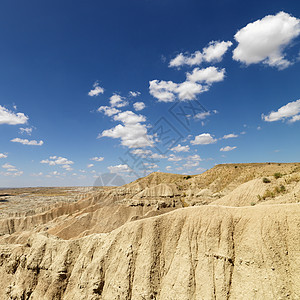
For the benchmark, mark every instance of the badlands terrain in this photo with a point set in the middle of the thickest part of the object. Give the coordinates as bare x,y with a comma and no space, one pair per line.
232,232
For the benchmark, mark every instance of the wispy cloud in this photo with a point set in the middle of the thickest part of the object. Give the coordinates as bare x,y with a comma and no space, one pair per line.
27,142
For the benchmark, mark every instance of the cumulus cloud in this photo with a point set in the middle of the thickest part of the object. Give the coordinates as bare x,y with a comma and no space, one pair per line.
117,101
27,142
139,106
108,111
229,136
90,165
132,133
26,130
56,160
167,91
180,148
193,59
141,152
163,90
195,157
290,112
2,155
8,166
11,118
119,168
214,52
266,39
173,157
203,139
10,170
227,148
158,156
96,90
97,158
207,75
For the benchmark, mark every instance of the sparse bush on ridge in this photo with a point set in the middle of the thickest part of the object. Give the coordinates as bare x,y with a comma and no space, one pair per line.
266,180
277,175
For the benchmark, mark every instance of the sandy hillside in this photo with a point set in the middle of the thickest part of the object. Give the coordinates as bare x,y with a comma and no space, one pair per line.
232,232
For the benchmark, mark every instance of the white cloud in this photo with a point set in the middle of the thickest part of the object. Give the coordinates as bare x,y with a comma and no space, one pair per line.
133,134
168,168
229,136
212,53
203,139
129,117
150,165
227,148
158,156
27,142
173,157
10,170
266,39
97,90
162,90
108,111
26,130
190,164
202,115
167,91
141,152
139,106
195,157
90,165
67,167
56,160
11,118
2,155
117,101
195,58
180,148
207,75
289,111
189,90
97,158
134,94
119,169
215,51
8,166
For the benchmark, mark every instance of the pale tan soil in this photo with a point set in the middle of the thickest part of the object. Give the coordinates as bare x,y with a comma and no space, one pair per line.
240,239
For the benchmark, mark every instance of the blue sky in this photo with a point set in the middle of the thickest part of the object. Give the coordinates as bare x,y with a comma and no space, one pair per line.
132,87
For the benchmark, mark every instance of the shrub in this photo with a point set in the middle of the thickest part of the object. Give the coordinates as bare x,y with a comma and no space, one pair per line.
266,180
268,194
277,175
187,177
253,203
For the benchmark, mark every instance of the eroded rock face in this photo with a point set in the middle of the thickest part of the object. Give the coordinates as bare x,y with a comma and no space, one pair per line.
137,242
192,253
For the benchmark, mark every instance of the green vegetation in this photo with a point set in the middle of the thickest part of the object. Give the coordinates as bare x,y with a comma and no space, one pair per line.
266,180
277,175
